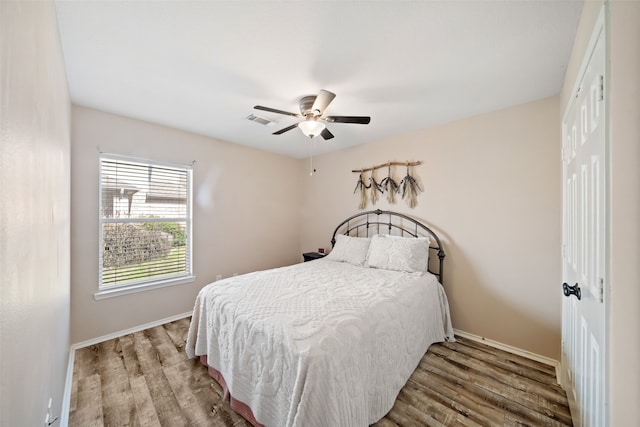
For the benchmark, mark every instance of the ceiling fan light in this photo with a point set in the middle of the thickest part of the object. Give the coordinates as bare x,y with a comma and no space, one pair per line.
311,128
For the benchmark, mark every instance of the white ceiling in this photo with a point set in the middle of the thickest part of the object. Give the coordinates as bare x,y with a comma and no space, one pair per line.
201,66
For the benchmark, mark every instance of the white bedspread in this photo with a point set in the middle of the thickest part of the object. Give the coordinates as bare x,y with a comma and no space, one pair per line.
320,343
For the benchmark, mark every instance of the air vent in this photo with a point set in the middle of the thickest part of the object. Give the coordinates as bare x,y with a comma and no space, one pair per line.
260,120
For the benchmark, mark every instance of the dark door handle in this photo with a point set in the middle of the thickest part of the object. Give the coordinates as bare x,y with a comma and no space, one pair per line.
572,290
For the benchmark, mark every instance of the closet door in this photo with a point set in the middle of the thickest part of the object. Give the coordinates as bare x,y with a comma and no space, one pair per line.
585,231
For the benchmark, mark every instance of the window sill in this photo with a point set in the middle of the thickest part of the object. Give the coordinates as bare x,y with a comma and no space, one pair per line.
110,293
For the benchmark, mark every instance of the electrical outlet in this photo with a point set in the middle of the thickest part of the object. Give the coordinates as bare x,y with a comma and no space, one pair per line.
234,274
218,277
49,419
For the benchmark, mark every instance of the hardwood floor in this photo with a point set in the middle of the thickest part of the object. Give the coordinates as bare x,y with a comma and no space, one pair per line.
145,379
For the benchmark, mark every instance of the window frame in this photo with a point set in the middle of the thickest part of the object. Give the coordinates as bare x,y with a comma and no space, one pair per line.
107,291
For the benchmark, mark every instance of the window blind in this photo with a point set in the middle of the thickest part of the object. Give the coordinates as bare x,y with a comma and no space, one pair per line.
145,222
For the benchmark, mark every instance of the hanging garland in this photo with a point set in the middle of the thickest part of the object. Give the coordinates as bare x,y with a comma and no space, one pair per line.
408,187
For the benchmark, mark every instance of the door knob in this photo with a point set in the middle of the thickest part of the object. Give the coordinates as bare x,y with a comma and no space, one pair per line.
572,290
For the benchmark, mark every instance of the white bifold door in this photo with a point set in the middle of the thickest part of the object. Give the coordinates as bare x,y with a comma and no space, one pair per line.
585,231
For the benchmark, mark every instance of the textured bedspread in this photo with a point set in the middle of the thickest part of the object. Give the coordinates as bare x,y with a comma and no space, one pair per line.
321,343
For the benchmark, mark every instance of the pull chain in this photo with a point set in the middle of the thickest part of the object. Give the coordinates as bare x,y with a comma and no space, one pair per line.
311,169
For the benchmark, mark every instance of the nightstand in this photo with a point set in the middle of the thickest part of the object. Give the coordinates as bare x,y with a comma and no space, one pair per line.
310,256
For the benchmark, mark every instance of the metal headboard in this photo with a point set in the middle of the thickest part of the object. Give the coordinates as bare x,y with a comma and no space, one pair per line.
366,224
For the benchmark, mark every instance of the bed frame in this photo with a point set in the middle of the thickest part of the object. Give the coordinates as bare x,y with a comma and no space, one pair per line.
366,224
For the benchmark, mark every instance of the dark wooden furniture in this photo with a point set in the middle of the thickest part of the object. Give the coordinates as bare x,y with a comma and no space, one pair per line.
310,256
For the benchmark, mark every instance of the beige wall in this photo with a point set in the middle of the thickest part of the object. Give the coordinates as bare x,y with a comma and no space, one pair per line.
245,216
492,191
34,214
625,213
624,150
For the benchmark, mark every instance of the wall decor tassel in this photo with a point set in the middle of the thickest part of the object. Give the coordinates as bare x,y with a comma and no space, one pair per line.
362,188
410,189
375,187
389,186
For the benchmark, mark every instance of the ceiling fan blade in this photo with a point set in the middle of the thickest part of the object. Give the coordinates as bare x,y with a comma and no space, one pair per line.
288,128
348,119
275,110
322,101
326,134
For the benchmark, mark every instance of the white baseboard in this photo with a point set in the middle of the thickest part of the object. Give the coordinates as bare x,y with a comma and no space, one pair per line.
68,382
139,328
66,398
511,349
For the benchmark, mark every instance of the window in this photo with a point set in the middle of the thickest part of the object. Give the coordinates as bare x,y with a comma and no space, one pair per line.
145,225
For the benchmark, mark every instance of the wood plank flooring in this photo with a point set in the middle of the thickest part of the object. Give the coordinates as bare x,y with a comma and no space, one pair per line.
145,379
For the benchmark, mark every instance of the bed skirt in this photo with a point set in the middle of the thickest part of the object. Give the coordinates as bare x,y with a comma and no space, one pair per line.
239,407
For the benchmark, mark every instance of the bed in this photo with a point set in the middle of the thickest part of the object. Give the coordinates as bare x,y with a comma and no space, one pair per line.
330,341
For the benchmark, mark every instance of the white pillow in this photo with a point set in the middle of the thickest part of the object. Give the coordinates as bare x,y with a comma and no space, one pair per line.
350,249
408,254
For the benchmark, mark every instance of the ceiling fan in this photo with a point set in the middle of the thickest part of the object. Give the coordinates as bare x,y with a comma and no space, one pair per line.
311,110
